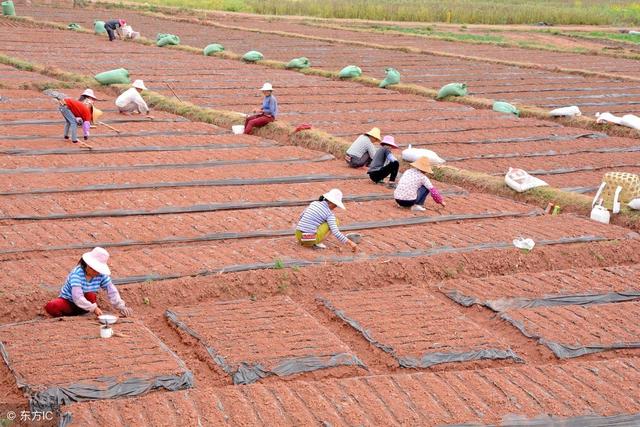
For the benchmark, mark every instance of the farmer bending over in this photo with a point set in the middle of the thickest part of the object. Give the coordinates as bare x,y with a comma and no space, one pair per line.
131,102
78,295
113,27
318,218
263,115
414,186
362,150
77,112
384,164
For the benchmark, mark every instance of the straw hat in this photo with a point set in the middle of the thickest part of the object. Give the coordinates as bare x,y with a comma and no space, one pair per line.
423,165
89,94
267,86
97,259
334,196
389,140
139,84
96,114
374,133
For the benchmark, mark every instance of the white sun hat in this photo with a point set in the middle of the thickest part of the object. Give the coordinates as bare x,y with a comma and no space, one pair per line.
334,196
97,259
266,86
139,84
89,93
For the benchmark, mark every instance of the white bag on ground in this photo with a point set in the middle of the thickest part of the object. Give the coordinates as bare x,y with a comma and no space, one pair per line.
413,154
520,180
128,33
608,118
566,112
634,204
524,244
631,121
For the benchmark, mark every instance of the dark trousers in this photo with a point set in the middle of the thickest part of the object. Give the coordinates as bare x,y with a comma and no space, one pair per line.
110,32
256,121
358,162
423,192
389,170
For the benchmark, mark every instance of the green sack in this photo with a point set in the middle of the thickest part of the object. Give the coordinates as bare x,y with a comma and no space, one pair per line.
452,89
252,56
98,27
212,48
299,63
168,39
8,9
393,77
350,71
73,26
505,107
117,76
161,35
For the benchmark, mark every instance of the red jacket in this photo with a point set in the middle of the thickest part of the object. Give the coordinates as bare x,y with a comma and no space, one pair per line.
79,109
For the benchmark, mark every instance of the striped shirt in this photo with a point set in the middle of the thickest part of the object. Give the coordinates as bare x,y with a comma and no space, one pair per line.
360,146
314,215
78,278
409,183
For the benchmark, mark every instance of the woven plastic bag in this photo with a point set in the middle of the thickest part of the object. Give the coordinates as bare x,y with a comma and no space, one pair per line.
452,89
212,48
572,111
411,154
519,180
299,63
392,78
117,76
252,56
505,107
350,71
98,27
168,39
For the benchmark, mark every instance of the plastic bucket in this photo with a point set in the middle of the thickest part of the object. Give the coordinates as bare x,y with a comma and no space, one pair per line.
237,129
106,332
8,9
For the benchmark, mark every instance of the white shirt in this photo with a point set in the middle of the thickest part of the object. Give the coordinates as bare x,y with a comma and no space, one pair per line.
129,96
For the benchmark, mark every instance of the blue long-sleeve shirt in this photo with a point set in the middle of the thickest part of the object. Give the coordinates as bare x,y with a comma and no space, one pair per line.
270,105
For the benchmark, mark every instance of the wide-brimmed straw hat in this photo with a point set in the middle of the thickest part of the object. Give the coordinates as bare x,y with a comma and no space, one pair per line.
423,164
389,140
97,259
334,196
89,94
374,133
266,86
139,84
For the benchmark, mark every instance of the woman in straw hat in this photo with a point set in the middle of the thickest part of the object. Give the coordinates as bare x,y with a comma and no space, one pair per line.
318,218
264,115
414,186
362,150
77,112
384,164
78,294
131,102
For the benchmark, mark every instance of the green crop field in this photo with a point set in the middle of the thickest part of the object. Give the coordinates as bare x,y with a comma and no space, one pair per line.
612,12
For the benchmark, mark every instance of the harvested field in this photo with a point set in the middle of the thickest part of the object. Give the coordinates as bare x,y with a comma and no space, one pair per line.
199,226
389,319
138,361
488,396
252,340
573,331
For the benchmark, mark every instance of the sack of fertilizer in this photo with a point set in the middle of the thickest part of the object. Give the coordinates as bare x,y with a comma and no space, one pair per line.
607,118
299,63
505,107
392,78
168,39
212,48
412,154
572,111
520,180
452,89
631,121
252,56
350,71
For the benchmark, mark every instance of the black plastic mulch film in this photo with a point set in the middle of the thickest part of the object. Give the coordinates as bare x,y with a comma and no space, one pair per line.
53,397
209,164
566,351
427,360
348,259
546,153
124,134
624,420
280,233
247,373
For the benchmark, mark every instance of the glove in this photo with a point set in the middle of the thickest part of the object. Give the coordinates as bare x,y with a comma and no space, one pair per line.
126,312
78,120
86,138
